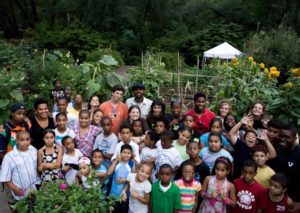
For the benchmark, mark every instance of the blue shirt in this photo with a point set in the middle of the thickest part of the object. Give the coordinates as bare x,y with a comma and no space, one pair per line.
204,139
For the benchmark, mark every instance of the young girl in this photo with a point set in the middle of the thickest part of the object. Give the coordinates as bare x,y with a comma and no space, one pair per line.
84,173
96,118
215,126
139,188
185,135
174,117
49,157
70,159
61,130
189,121
138,133
189,188
217,191
85,133
19,167
214,150
97,159
157,112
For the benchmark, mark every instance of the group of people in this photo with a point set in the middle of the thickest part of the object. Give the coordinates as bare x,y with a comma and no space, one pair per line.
151,160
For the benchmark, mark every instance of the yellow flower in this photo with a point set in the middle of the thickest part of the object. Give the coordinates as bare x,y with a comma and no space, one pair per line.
296,71
262,65
273,69
274,73
225,65
253,63
266,71
250,58
288,85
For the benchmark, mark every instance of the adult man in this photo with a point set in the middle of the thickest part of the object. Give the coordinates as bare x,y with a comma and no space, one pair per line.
115,108
139,99
62,104
202,115
288,161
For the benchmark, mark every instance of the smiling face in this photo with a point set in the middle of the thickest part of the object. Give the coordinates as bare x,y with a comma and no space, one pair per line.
126,135
165,176
166,143
117,96
189,121
157,109
62,105
134,114
224,110
176,109
139,92
84,169
250,139
97,116
188,173
137,127
221,171
216,127
193,150
287,139
200,104
61,121
214,143
95,102
69,145
18,116
260,158
126,155
258,110
230,121
273,134
143,173
84,120
97,159
42,111
184,137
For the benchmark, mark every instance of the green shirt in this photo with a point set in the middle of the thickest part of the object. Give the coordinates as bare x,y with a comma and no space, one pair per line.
165,202
182,150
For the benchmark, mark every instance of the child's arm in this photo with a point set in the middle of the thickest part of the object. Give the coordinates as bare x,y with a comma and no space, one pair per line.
14,188
233,132
262,135
143,199
231,200
204,188
112,167
40,160
290,205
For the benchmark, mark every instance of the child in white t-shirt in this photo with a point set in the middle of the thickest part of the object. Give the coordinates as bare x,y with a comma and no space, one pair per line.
61,130
149,152
70,159
167,154
140,188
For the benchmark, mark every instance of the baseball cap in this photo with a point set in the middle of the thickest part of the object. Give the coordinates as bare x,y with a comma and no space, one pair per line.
84,160
16,107
138,86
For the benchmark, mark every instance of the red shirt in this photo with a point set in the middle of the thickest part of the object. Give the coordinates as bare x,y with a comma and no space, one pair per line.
272,207
202,122
248,196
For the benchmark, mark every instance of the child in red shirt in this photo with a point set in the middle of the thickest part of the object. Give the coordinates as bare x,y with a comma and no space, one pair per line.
248,191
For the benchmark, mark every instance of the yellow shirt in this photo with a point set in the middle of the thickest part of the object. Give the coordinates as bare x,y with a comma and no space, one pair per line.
264,175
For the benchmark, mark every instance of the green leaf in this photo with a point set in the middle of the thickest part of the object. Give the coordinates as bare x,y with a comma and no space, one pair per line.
92,87
4,103
17,95
112,79
85,68
108,61
296,112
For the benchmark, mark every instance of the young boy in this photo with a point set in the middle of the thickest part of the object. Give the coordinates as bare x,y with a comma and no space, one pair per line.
167,154
274,127
165,195
248,191
264,172
120,169
126,134
243,149
288,161
61,129
201,168
106,141
276,199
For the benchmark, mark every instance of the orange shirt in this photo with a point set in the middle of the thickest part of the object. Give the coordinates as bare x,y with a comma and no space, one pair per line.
117,114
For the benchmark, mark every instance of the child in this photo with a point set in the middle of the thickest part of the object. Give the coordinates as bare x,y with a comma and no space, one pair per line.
166,154
70,159
248,191
243,149
174,117
274,127
276,199
160,127
120,168
215,126
138,133
157,112
185,135
264,173
126,134
189,121
214,150
49,157
84,173
62,104
218,192
165,195
189,188
201,168
107,141
149,151
19,167
140,188
97,164
62,130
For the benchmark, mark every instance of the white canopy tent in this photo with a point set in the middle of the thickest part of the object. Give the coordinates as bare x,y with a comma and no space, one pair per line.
222,51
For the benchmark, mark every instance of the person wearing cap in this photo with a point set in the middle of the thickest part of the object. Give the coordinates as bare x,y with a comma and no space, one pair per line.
139,100
15,124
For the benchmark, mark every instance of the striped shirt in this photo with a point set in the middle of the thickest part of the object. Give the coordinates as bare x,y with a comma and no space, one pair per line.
188,193
86,143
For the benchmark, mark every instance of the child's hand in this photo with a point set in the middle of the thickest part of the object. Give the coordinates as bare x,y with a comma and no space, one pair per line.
262,134
223,194
121,180
247,120
134,194
123,195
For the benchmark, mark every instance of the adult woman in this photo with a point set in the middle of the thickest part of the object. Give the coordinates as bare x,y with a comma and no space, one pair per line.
134,113
40,122
224,109
93,104
257,112
85,133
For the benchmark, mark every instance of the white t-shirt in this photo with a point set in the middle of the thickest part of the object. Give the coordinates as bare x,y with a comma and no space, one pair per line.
148,153
107,144
59,136
164,188
135,205
71,159
135,149
168,156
